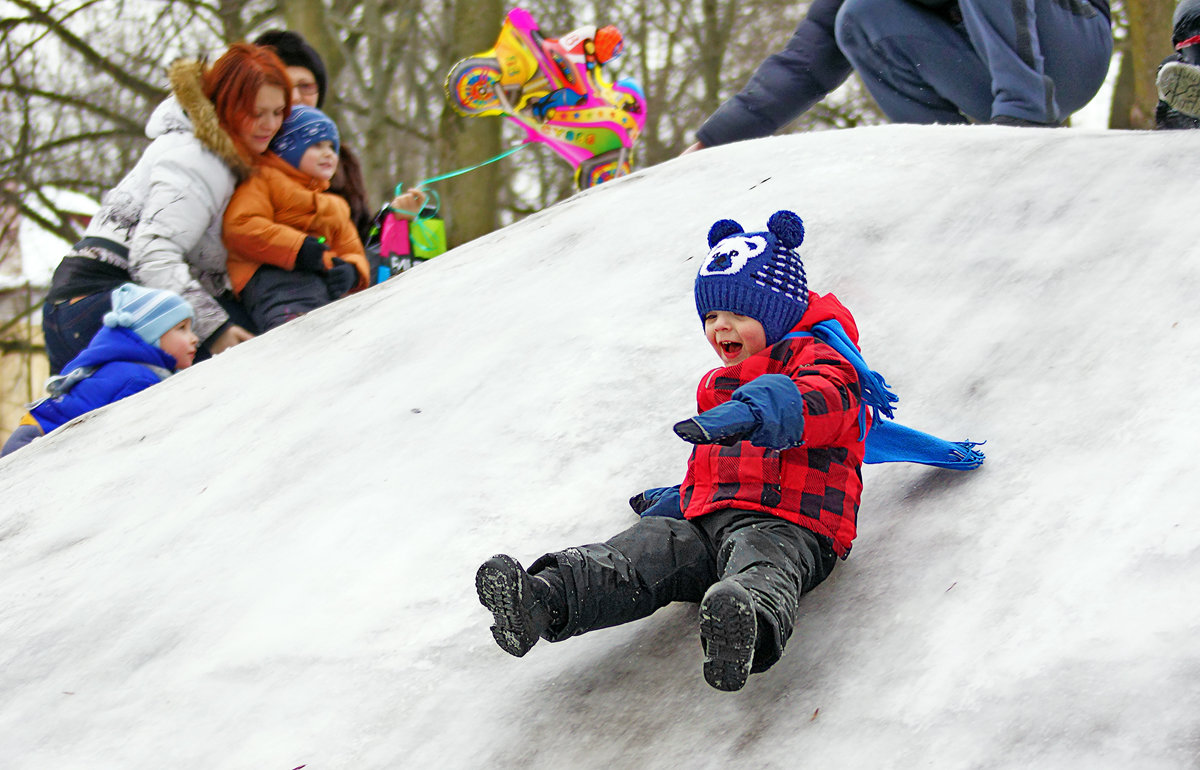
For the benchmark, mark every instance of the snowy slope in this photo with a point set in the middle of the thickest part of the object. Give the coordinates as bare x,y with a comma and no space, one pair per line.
267,561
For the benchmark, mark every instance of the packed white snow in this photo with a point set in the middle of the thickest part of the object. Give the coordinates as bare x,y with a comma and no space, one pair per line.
268,560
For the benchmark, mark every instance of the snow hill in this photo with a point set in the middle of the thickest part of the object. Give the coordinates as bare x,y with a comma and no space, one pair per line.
268,561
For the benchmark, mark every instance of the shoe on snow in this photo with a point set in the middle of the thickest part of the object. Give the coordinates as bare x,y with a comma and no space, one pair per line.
506,589
728,631
1179,86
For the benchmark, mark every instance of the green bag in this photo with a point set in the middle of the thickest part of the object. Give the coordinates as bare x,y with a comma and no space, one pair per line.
428,237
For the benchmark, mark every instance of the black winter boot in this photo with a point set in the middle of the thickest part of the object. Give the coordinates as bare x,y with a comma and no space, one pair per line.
1179,87
728,631
518,608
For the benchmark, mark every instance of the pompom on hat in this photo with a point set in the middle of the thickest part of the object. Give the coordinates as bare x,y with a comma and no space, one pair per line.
149,313
759,275
302,128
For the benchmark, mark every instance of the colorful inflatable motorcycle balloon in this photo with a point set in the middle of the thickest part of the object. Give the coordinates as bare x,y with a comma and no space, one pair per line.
556,92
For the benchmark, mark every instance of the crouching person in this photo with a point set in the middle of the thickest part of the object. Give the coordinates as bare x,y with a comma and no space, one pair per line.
146,337
770,498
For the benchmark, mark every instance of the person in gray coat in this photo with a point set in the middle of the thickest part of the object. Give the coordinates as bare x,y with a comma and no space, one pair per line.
1013,62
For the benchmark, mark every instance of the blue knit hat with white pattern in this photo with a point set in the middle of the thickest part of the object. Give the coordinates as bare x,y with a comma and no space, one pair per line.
149,313
759,275
303,127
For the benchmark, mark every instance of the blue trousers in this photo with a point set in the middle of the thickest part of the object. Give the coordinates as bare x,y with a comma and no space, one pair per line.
1037,60
21,437
69,326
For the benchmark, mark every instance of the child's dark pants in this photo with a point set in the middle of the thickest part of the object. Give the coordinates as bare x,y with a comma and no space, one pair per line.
661,560
274,296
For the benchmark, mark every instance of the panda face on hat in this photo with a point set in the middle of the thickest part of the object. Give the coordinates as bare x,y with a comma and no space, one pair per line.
755,274
732,254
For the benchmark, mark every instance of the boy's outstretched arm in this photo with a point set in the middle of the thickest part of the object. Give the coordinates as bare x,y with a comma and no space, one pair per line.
768,411
778,412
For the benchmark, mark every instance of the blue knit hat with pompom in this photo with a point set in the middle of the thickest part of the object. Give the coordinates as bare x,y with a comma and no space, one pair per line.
148,313
759,275
303,127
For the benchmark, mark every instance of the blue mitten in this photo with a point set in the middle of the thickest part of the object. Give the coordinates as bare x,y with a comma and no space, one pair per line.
768,411
726,423
660,501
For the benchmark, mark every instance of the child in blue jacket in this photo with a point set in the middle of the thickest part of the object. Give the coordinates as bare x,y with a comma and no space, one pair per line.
146,337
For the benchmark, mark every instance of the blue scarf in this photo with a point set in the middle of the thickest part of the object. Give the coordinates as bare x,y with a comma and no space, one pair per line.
887,441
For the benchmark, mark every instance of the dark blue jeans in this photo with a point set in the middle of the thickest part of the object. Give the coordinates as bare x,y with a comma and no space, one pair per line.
69,326
1038,60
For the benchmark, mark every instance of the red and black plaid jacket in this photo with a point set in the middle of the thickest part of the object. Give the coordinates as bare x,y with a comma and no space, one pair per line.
817,485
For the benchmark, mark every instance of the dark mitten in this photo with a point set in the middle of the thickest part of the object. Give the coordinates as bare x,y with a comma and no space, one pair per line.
726,423
660,501
311,256
341,278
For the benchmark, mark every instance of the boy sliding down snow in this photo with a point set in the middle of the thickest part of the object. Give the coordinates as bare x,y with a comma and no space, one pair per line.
772,488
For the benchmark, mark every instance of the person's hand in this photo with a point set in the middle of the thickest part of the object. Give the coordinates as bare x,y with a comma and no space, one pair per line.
233,335
311,256
693,148
726,423
409,204
341,278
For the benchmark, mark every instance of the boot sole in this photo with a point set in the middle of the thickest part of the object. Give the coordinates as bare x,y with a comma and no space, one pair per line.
729,631
1179,86
501,590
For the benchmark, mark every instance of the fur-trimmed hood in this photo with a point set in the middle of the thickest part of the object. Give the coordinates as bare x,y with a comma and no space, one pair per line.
188,110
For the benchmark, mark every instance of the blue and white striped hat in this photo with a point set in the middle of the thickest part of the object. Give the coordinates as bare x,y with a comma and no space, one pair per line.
149,313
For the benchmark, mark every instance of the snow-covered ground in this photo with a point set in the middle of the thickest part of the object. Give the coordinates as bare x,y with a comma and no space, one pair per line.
268,561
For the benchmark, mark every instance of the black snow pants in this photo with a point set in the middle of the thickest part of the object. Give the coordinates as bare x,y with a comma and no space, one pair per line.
661,560
273,296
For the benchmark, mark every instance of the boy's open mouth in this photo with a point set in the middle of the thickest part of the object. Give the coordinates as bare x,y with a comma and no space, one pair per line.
731,348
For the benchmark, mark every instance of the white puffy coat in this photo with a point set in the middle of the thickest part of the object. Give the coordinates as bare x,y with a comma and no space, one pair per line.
167,210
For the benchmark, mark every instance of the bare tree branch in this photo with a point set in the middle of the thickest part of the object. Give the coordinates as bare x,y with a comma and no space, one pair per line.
78,102
89,54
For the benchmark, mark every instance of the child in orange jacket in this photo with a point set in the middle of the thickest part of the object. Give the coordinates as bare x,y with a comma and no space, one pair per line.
293,246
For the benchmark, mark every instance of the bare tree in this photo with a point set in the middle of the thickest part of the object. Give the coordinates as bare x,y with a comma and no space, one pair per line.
1143,37
75,94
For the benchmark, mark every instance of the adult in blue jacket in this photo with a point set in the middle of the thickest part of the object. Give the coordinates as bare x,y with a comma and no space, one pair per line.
1014,62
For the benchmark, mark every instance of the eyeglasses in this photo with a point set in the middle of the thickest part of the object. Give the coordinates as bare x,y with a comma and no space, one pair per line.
308,89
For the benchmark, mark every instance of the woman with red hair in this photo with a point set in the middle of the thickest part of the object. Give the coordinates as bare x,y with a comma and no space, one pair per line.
161,225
